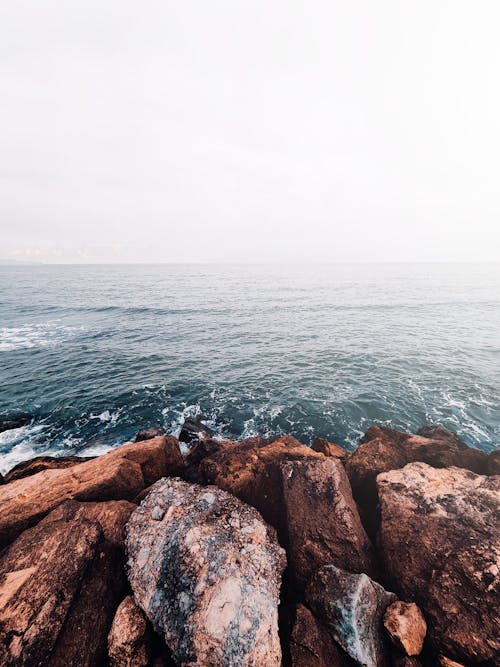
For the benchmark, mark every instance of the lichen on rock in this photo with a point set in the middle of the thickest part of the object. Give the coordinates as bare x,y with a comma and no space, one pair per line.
206,570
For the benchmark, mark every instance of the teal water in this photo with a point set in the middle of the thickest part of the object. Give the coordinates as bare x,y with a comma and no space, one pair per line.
97,352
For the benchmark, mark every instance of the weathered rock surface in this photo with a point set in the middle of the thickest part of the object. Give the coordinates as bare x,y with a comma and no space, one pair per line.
383,449
440,540
197,453
120,474
406,627
311,644
446,662
130,638
322,519
50,580
328,448
206,570
251,470
149,434
352,607
39,463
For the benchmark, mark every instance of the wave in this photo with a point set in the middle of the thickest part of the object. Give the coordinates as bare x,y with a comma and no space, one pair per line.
35,335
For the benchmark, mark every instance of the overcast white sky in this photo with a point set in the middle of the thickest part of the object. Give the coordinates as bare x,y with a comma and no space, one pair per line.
250,130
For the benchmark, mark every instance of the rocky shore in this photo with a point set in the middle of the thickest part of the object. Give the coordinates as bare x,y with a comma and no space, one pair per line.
256,553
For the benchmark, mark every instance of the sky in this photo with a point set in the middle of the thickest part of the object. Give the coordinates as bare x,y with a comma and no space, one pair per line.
240,131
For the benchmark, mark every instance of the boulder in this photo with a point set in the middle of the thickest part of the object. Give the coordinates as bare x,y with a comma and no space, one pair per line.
197,453
311,644
438,432
130,638
149,434
251,470
440,541
206,570
323,523
328,448
50,580
351,607
120,474
406,627
383,449
194,429
39,463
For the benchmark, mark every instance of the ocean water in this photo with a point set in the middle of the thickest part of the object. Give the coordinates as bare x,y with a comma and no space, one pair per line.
97,352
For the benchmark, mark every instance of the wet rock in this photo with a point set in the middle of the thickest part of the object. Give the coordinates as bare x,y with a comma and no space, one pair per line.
50,580
197,453
206,570
149,433
130,639
383,449
194,429
251,470
39,463
120,474
15,422
311,644
440,541
328,448
405,626
352,607
322,519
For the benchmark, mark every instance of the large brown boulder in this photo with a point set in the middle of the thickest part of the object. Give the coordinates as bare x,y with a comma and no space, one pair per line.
251,470
440,541
199,451
39,463
323,523
352,607
130,638
328,448
60,583
120,474
206,570
311,645
383,449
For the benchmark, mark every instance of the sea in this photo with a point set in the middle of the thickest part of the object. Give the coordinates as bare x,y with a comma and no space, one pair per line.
96,352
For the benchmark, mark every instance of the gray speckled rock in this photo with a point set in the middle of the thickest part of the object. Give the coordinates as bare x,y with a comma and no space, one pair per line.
351,607
206,570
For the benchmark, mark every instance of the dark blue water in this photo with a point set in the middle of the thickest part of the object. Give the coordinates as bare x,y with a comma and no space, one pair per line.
97,352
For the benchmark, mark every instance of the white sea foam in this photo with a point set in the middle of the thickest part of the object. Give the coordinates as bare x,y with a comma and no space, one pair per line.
96,450
21,444
107,416
35,335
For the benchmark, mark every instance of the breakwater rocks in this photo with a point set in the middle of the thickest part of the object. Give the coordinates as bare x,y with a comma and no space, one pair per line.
256,553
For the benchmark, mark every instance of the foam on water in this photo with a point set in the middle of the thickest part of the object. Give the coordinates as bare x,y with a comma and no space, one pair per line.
97,353
34,335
